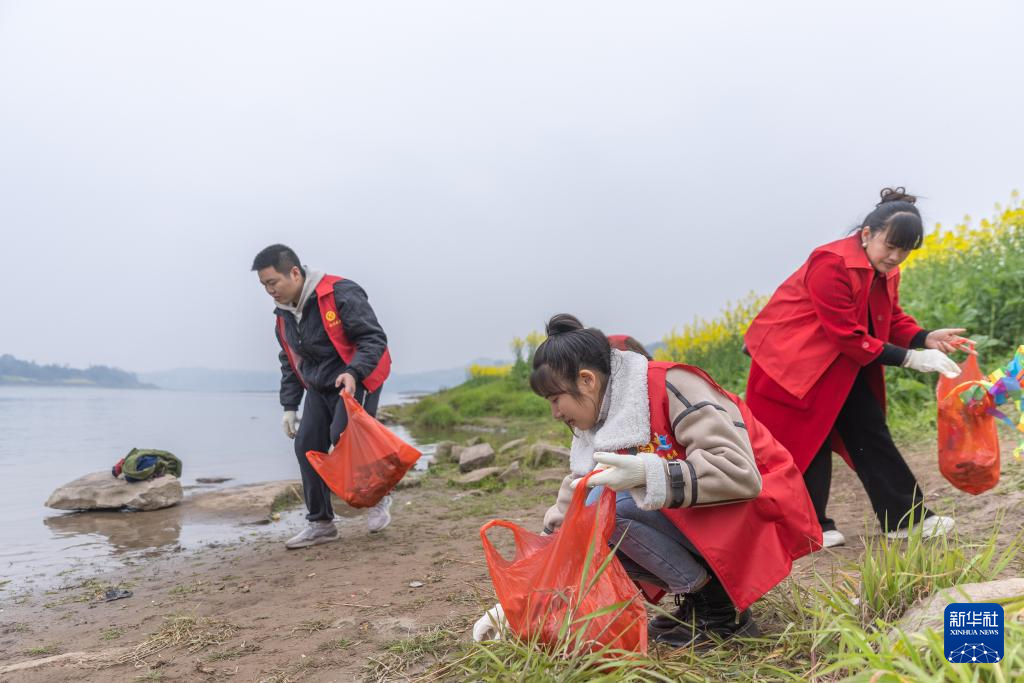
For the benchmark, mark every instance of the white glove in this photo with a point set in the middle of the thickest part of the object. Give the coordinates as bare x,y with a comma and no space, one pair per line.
931,360
619,472
290,422
490,625
555,515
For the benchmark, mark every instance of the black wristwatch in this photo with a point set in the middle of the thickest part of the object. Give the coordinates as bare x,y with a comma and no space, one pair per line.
677,485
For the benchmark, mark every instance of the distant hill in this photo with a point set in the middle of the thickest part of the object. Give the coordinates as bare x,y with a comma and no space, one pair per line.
27,373
208,379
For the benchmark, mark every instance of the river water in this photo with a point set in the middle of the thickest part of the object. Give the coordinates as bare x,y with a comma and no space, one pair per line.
51,435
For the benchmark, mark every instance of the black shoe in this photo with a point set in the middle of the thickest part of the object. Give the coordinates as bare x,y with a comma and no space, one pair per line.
682,615
714,619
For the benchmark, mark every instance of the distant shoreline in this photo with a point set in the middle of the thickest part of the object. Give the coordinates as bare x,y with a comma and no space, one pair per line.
71,384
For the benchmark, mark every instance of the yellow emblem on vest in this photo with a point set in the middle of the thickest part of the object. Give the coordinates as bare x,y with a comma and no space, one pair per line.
659,444
331,316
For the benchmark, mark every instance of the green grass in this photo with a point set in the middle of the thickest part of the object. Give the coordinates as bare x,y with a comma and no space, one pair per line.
45,650
893,575
286,501
476,401
837,628
419,651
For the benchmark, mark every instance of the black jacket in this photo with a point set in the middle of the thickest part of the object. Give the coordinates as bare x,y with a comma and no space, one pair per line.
321,363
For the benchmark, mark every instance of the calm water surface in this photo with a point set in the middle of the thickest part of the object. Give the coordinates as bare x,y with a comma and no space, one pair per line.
49,436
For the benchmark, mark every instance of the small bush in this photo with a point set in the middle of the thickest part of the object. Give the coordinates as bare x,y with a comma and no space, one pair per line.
435,414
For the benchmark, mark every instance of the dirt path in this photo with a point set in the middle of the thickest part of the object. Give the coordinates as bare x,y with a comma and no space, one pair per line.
345,611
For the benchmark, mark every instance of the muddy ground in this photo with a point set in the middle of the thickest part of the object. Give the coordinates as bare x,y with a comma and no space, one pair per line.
368,607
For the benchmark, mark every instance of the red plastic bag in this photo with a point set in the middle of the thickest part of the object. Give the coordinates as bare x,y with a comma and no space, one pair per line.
968,440
569,589
368,460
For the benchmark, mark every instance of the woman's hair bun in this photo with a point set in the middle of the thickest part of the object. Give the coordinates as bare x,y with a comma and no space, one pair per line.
896,194
562,323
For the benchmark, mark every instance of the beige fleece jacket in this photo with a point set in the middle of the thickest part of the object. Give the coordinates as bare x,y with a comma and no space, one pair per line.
719,467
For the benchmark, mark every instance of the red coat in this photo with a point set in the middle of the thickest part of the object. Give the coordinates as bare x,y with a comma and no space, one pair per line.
811,340
750,545
336,333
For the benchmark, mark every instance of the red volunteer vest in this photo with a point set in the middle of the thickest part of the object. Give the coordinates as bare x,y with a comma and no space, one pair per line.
336,333
750,545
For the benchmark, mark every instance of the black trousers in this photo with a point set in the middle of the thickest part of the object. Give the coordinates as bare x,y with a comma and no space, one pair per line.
889,483
324,418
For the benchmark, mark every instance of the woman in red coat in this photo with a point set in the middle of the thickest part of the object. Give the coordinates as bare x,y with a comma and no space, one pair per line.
817,378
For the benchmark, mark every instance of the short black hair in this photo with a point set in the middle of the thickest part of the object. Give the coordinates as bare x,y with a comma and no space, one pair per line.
280,258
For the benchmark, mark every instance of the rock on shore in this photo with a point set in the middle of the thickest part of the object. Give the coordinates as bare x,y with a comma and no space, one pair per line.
100,491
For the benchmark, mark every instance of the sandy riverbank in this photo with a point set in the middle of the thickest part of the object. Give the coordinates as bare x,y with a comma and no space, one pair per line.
253,611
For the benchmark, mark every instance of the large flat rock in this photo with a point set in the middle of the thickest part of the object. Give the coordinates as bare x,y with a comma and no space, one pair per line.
479,475
250,501
247,504
100,491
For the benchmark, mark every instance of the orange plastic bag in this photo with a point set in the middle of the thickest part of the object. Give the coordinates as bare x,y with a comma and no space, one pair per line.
368,460
968,440
568,589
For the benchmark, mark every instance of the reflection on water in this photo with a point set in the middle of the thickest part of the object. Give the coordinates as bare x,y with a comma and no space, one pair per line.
123,530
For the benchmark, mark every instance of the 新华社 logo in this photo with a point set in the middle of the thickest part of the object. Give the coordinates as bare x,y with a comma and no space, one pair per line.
974,632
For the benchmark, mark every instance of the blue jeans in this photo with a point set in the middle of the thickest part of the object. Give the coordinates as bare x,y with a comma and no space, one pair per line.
651,548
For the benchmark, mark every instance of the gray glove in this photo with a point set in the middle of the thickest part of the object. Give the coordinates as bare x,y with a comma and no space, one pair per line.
290,422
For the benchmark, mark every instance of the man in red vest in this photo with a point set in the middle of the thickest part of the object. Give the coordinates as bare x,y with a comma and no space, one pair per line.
330,342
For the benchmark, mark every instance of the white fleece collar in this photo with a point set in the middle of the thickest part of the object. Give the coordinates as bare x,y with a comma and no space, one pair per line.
313,278
628,424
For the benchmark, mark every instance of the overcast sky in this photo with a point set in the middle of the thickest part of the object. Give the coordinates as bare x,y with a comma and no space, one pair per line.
476,166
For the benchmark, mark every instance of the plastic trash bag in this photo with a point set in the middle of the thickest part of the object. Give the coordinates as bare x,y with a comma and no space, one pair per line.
968,440
368,460
568,589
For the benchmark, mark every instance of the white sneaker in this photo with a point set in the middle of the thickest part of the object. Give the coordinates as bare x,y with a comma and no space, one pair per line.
931,527
314,534
832,538
379,516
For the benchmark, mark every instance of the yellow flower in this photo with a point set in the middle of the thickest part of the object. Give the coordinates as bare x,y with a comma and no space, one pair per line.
489,371
703,336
